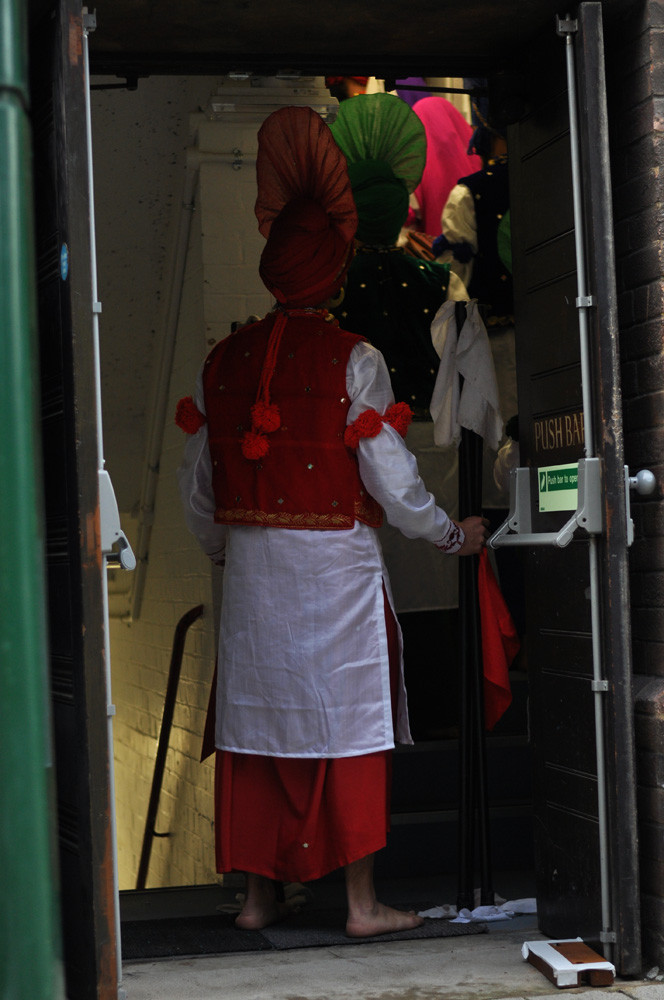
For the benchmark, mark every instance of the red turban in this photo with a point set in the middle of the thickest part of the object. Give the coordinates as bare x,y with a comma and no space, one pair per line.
305,258
305,208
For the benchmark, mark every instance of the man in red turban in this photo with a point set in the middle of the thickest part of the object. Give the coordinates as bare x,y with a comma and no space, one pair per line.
295,455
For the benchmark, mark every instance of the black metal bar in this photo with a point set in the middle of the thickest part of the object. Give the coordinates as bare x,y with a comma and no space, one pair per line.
466,825
467,716
177,652
473,785
473,91
487,896
480,787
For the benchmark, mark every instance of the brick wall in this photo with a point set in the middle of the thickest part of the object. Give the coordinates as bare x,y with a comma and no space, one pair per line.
232,244
221,286
635,71
178,578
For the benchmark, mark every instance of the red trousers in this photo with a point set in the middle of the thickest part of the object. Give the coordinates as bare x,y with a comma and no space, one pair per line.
296,819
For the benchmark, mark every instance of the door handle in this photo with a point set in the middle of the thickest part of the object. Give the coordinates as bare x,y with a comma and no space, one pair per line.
111,532
644,483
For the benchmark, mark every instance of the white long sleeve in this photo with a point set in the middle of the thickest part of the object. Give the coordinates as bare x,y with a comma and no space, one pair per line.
195,483
387,468
459,224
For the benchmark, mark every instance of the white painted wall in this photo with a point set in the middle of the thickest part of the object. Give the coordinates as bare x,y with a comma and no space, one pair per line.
178,578
221,286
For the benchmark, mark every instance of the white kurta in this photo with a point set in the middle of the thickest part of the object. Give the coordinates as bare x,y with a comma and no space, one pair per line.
303,658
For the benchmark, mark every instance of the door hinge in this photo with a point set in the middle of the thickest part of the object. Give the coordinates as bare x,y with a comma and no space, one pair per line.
585,301
566,25
89,19
599,685
608,937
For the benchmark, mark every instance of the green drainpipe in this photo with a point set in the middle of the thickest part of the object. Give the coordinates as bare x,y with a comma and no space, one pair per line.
30,950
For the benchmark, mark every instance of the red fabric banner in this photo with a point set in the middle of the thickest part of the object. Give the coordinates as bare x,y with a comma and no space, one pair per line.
500,643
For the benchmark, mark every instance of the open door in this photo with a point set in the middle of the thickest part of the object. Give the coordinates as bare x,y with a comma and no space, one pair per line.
578,658
73,550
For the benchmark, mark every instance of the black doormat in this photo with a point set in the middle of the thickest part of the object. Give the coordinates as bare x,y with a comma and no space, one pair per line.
218,935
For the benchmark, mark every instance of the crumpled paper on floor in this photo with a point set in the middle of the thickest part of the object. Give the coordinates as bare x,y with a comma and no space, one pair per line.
501,910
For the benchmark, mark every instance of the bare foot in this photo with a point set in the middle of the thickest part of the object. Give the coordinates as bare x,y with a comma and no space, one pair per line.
255,916
261,906
381,919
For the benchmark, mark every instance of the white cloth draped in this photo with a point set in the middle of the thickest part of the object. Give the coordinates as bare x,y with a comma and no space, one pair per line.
476,406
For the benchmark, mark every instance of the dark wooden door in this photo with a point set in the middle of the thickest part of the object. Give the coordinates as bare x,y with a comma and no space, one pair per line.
71,501
551,431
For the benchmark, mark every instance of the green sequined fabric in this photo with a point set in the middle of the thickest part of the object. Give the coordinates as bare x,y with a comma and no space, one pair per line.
391,299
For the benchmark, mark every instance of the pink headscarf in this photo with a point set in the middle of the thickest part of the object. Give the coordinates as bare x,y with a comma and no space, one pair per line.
448,135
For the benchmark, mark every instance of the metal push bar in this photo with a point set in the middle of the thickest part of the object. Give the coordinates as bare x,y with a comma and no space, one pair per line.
517,527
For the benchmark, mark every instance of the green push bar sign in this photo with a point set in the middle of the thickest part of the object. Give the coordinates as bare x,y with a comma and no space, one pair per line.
558,487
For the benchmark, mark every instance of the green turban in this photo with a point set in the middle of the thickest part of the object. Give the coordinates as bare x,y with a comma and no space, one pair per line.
381,200
385,145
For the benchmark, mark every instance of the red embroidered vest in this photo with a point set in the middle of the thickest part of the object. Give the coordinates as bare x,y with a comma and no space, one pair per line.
309,477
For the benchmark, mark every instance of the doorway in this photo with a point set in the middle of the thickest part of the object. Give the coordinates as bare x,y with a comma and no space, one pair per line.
182,582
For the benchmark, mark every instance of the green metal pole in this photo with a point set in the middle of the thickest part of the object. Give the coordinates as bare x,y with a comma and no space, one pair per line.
30,952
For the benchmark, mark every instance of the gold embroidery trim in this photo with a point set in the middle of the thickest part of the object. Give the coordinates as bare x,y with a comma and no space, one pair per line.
371,515
283,519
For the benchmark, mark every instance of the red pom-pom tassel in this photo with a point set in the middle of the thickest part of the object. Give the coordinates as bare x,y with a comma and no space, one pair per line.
368,424
266,416
188,417
399,415
255,445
